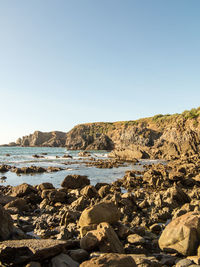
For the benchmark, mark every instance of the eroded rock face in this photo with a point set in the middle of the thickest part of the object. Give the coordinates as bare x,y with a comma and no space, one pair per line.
102,212
52,139
182,234
111,260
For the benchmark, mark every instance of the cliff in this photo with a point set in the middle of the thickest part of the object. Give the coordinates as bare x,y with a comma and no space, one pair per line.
161,136
50,139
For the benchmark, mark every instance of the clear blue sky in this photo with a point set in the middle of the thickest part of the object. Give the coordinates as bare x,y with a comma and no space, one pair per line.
67,62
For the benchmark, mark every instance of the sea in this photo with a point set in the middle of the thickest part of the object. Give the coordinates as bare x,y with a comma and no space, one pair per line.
23,157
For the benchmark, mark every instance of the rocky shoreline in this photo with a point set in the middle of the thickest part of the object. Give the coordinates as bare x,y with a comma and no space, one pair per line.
146,218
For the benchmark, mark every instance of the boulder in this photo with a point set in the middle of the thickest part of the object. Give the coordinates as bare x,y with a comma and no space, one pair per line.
20,204
104,238
20,251
111,260
75,181
182,234
63,260
6,224
22,190
101,212
89,191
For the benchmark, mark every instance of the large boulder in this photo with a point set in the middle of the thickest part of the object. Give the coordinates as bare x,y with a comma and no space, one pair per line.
104,238
101,212
6,224
182,234
111,260
75,181
17,252
22,190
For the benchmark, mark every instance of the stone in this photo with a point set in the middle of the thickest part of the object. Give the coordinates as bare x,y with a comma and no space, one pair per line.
89,191
33,264
78,255
89,241
195,259
184,263
75,181
22,190
20,251
182,234
104,238
135,239
111,260
44,186
6,224
63,260
18,203
102,212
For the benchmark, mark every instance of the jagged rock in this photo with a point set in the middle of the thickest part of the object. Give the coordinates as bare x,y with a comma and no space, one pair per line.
89,191
104,238
22,190
75,181
102,212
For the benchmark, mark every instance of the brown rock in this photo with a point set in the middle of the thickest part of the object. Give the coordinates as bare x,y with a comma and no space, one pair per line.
75,181
182,234
6,224
111,260
102,212
22,190
20,251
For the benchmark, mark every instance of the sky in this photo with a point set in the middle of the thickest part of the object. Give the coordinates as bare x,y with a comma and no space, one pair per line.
65,62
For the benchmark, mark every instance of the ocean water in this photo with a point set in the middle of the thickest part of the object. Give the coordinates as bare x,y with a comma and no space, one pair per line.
23,157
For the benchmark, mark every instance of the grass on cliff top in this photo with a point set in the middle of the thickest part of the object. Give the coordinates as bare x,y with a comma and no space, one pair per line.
159,119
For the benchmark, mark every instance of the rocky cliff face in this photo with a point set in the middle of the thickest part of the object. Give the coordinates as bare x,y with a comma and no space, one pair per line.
157,137
51,139
160,136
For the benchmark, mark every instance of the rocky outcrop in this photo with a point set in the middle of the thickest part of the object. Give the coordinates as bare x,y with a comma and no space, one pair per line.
49,139
161,136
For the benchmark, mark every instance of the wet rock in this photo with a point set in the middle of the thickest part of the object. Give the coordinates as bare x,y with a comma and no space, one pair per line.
111,260
75,181
4,168
102,212
182,234
84,154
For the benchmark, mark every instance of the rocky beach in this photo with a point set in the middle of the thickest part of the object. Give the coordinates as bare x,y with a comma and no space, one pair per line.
149,216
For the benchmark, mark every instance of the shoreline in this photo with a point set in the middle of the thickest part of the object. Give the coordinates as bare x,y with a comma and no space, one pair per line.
88,221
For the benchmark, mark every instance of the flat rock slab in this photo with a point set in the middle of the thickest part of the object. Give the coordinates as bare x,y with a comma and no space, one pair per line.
19,251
